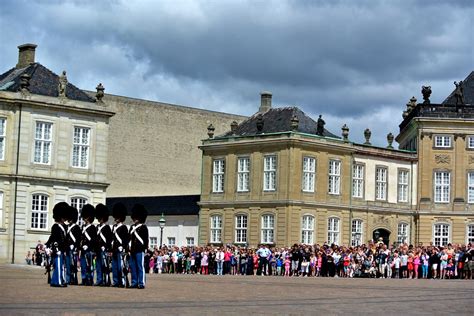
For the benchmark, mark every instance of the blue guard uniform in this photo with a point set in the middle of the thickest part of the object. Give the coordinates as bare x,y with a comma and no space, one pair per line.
88,245
104,246
73,240
138,246
120,240
57,244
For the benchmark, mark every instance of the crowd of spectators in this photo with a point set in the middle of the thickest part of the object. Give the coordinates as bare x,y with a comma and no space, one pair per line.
375,260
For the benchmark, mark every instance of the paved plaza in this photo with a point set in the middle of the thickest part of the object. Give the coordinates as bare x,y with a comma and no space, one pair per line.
24,292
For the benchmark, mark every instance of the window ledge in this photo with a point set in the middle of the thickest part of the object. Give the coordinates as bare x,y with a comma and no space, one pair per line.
38,232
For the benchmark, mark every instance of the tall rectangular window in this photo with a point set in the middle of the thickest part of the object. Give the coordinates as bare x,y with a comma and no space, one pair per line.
39,211
153,242
43,140
441,235
216,229
243,174
218,175
470,187
442,186
402,235
241,229
470,142
334,176
333,230
470,234
269,173
403,185
307,229
189,241
268,225
381,183
309,172
80,147
78,203
3,131
358,181
442,141
171,241
356,233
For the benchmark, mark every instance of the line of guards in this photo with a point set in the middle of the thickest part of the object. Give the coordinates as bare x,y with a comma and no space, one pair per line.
117,249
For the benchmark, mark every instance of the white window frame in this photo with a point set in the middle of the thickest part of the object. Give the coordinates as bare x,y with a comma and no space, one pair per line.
189,243
241,226
81,147
357,227
153,242
43,144
442,141
307,229
470,142
470,187
243,174
334,230
218,175
215,236
470,233
171,244
268,229
381,179
309,173
78,202
441,236
334,174
403,233
442,186
39,211
3,137
403,184
358,174
269,172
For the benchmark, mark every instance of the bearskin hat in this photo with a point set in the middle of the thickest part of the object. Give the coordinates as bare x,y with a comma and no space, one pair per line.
119,212
102,212
60,210
139,213
72,214
88,212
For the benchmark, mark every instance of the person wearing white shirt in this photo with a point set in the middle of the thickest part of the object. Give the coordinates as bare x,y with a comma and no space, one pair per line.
219,261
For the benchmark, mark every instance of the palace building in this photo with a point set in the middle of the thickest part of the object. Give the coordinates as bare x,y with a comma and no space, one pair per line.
280,178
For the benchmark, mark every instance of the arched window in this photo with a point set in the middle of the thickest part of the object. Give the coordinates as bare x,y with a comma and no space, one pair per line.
403,233
216,229
268,224
356,232
333,230
441,234
39,211
240,229
78,203
470,234
307,229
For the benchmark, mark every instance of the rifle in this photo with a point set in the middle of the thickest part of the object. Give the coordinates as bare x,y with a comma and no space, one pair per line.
125,267
73,255
47,266
106,268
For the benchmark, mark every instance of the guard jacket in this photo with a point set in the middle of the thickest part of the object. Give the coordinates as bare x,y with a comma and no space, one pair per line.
104,237
138,238
57,239
89,237
73,236
120,237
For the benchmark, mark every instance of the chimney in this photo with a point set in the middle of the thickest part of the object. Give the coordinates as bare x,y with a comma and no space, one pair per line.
26,55
266,101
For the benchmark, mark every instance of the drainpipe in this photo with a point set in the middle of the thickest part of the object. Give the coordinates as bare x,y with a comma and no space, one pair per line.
16,185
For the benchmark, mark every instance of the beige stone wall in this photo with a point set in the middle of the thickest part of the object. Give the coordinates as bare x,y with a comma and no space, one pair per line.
153,147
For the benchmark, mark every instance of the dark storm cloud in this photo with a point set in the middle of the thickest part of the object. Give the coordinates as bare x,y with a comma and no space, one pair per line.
349,60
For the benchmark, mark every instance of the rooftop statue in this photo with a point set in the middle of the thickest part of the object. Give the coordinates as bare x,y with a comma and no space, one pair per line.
459,93
320,127
62,85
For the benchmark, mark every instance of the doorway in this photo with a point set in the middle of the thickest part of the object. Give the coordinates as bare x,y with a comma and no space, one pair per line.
382,233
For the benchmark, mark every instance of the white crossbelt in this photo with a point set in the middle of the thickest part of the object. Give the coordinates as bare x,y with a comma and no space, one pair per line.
100,233
116,234
134,231
69,232
86,233
64,231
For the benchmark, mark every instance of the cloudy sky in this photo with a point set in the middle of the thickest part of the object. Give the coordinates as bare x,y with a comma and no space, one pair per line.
354,62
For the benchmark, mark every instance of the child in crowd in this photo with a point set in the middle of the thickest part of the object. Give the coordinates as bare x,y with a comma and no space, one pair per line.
287,266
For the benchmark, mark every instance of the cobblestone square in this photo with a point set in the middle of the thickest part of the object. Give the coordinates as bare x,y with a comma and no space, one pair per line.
24,292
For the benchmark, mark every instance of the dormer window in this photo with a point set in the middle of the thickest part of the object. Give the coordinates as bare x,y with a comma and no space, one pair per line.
442,141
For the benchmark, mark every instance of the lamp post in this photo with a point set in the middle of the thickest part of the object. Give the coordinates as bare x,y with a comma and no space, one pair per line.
162,223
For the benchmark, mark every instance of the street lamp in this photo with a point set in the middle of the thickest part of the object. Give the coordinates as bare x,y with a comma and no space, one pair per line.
162,223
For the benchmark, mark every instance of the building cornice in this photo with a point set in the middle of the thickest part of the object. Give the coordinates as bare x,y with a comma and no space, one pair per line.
55,180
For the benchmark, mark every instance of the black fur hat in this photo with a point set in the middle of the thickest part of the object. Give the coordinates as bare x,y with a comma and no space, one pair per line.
102,212
72,214
119,211
139,213
60,211
88,212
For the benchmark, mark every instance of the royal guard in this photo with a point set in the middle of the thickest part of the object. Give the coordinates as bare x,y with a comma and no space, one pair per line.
57,244
88,244
73,238
120,240
138,246
104,246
